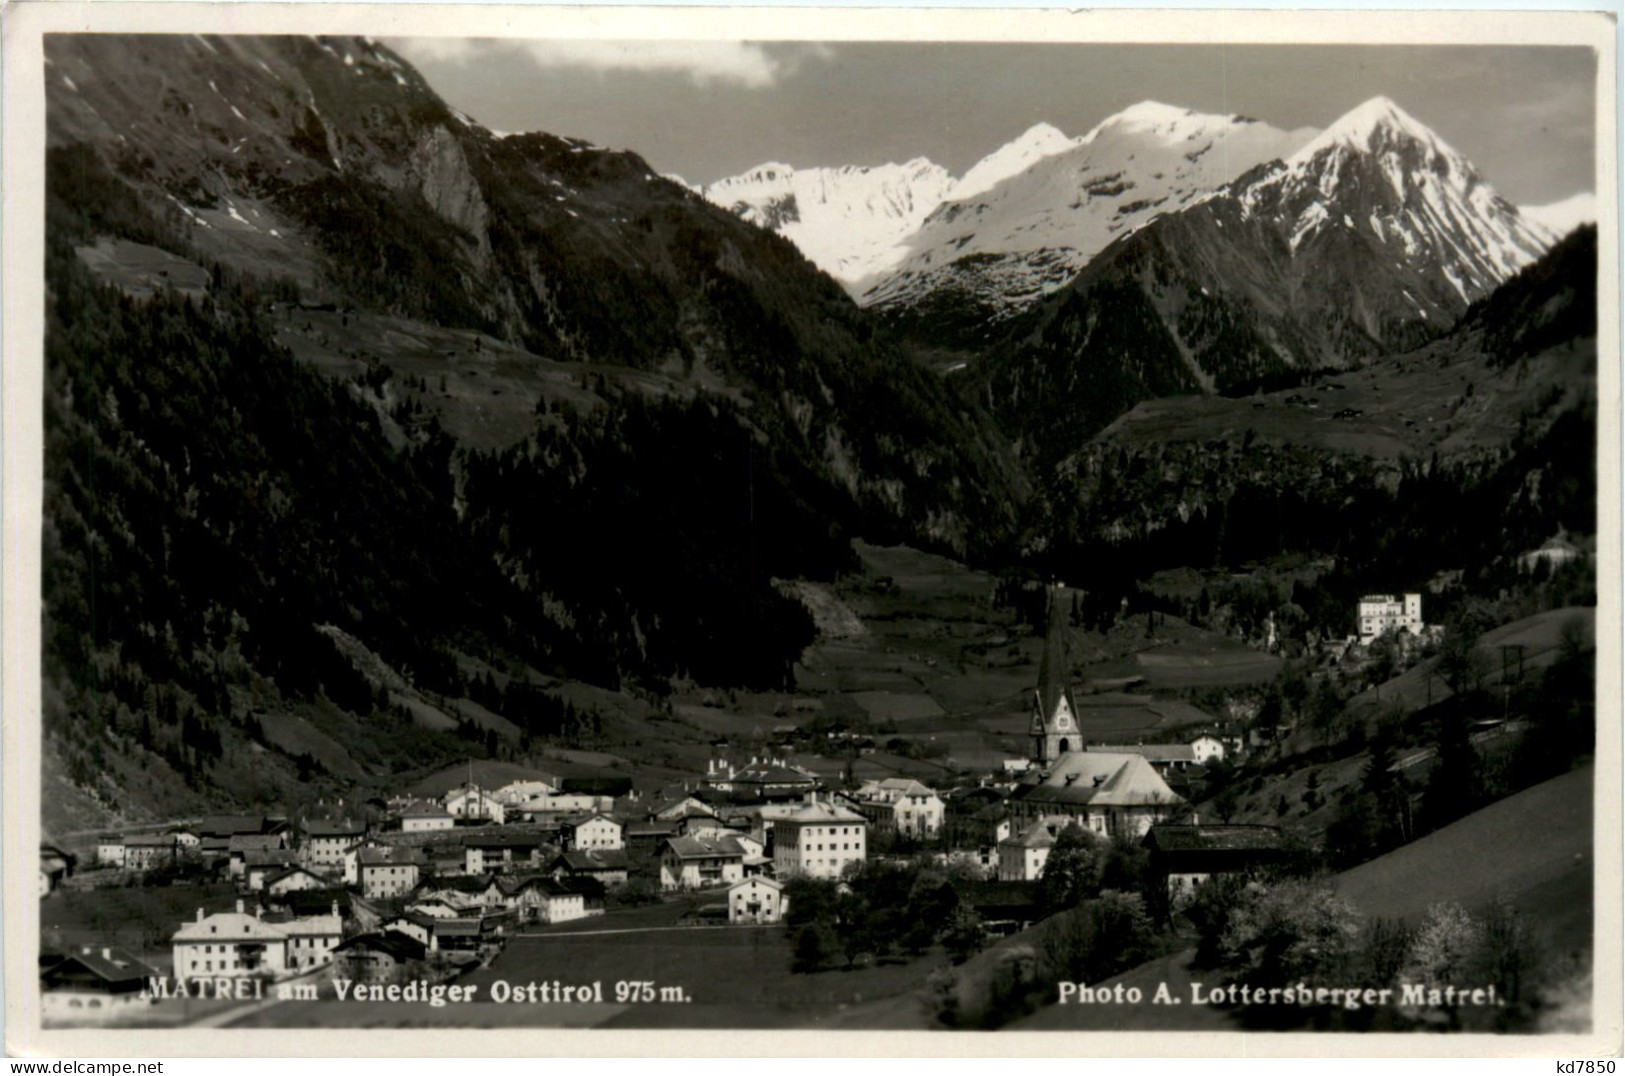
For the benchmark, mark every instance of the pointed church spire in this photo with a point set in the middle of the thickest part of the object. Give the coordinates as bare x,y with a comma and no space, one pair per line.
1055,731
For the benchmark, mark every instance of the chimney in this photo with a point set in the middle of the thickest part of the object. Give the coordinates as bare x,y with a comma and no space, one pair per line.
200,915
239,907
335,909
107,955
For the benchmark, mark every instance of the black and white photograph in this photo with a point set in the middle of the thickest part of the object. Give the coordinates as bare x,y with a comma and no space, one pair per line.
709,530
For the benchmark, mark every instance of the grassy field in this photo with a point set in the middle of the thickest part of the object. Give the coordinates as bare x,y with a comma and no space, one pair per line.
731,976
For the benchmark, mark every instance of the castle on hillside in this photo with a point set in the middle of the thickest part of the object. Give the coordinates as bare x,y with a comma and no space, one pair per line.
1382,613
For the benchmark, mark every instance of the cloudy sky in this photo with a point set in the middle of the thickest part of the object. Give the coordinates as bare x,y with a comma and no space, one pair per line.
711,109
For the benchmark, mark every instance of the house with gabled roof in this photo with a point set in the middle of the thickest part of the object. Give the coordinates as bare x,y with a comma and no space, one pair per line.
538,898
1188,855
91,984
258,868
701,862
384,957
416,925
605,867
594,831
756,900
1022,857
292,879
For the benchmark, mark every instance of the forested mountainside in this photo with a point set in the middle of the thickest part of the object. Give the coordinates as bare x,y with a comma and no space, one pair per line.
1455,457
232,536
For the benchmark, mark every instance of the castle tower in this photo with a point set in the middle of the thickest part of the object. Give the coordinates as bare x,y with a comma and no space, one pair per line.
1054,726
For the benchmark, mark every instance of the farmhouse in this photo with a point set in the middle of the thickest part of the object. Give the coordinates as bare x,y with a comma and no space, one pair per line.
819,840
415,925
1108,794
1188,855
539,899
756,900
378,958
91,984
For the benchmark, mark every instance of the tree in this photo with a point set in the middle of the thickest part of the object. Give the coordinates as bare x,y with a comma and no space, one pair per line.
1443,950
814,946
1072,871
966,934
1292,930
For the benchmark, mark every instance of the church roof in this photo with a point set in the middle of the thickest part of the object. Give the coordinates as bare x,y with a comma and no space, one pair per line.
1052,668
1100,779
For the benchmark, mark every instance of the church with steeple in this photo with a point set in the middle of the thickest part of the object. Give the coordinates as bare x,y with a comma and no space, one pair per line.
1055,723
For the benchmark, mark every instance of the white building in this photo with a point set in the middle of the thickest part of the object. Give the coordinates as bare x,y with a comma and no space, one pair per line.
1022,858
1207,748
906,805
701,862
387,872
756,900
237,945
426,819
598,831
326,840
110,852
819,840
1382,613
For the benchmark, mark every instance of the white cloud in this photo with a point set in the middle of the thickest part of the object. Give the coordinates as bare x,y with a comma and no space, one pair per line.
703,62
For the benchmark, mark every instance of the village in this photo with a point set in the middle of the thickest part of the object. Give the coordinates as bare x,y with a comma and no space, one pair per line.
416,892
419,889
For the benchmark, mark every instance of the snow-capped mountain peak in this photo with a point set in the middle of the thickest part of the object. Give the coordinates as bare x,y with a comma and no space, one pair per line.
1030,233
848,220
1014,157
1561,218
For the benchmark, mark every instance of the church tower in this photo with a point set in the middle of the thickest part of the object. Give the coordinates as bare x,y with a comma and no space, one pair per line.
1054,725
